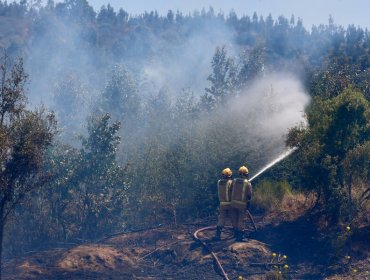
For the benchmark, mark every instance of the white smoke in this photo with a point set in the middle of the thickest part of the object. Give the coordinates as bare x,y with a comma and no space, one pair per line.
187,65
258,119
272,105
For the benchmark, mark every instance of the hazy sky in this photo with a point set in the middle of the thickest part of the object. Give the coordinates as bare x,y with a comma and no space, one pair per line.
315,12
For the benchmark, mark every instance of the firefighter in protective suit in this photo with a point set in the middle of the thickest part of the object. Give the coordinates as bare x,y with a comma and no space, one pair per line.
241,196
224,197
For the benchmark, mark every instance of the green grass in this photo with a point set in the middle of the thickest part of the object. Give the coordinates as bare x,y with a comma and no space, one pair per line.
268,195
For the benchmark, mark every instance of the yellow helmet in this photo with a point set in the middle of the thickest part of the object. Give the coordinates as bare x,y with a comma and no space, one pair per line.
227,172
243,170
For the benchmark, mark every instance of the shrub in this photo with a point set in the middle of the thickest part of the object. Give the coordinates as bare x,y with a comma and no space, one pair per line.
268,195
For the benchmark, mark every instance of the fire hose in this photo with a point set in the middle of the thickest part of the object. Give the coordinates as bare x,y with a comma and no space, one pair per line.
224,274
197,238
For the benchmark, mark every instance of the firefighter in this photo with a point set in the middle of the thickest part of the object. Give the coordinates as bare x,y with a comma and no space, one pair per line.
224,197
241,196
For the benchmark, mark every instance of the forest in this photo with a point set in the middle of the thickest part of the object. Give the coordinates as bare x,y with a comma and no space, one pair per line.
111,121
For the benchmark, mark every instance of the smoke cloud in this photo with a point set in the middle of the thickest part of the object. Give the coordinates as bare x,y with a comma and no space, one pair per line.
187,65
68,75
61,53
272,105
258,120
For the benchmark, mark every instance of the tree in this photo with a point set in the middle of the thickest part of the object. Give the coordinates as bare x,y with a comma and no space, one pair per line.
25,135
122,17
222,79
347,65
99,179
232,19
107,16
120,97
70,102
170,18
332,150
76,10
252,67
84,198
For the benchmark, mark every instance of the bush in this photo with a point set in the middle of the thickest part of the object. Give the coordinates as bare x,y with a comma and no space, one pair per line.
268,195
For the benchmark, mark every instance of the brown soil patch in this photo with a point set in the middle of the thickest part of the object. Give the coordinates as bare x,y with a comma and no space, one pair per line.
94,258
172,253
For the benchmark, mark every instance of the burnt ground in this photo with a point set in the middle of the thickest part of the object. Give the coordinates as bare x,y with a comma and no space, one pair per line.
172,253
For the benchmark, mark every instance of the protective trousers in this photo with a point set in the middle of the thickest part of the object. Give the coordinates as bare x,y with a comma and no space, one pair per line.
239,217
224,214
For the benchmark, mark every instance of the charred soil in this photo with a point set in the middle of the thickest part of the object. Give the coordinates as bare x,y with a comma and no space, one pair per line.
169,252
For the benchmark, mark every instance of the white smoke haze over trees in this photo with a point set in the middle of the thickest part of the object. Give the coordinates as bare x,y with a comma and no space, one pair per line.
187,65
154,88
61,48
68,76
163,104
60,55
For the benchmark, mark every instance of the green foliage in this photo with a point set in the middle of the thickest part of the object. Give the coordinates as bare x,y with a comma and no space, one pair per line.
331,145
99,178
346,65
268,195
172,152
222,79
25,136
252,66
85,196
229,77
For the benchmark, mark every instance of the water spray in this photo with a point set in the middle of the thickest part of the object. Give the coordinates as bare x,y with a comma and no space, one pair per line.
275,161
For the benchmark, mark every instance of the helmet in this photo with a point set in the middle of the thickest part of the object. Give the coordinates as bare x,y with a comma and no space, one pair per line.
243,170
227,172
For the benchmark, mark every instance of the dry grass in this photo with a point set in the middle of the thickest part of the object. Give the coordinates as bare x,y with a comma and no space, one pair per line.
268,195
279,197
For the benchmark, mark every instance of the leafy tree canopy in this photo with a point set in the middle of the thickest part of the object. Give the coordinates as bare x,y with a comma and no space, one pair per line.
333,148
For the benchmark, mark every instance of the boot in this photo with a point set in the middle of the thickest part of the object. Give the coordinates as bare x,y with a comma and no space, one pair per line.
243,236
217,237
238,236
236,233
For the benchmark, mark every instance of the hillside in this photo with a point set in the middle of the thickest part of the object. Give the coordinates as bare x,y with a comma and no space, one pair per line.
168,252
112,124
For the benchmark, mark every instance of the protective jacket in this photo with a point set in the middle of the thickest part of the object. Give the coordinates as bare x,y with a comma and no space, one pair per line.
241,193
224,192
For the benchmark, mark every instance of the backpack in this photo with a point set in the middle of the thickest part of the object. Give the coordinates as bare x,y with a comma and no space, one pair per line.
224,192
241,192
